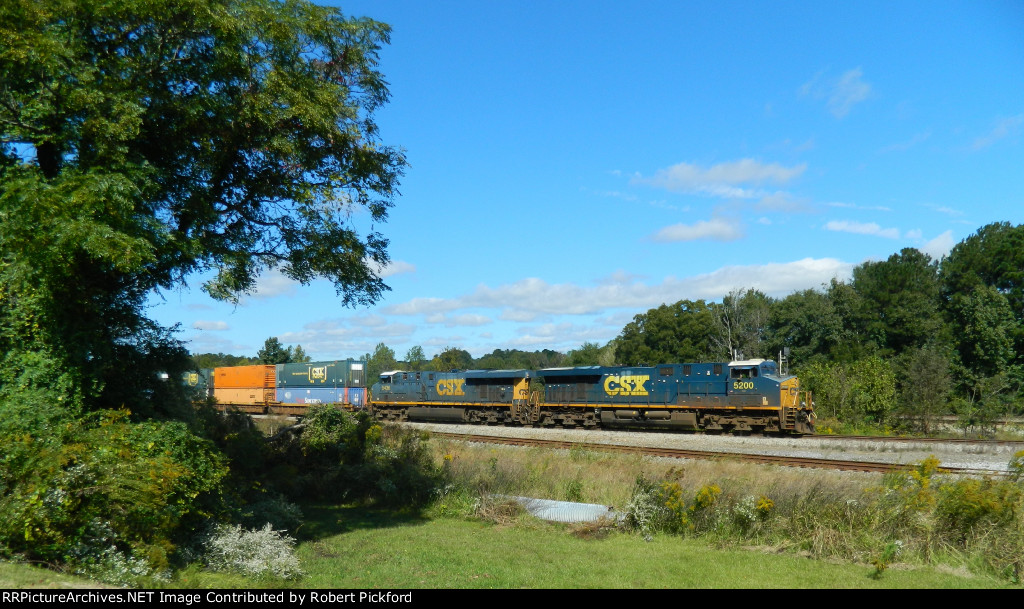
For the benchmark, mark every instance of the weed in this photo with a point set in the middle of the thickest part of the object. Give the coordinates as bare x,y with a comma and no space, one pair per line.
882,561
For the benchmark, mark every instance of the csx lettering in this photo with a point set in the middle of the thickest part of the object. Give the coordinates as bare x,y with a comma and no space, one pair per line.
318,374
743,385
450,387
626,385
193,379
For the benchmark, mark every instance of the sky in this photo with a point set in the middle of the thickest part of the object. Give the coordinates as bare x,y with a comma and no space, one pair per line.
573,164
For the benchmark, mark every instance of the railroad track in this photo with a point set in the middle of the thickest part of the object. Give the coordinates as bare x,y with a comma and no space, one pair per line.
923,440
676,453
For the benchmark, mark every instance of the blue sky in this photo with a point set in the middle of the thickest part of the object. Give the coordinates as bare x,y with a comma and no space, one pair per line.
573,164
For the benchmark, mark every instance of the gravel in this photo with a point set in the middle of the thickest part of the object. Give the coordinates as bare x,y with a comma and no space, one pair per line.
983,456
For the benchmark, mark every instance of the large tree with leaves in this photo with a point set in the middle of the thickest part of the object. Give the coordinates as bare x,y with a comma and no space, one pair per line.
680,332
144,141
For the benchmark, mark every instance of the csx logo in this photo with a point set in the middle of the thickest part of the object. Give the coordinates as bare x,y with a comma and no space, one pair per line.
192,379
318,374
450,387
626,385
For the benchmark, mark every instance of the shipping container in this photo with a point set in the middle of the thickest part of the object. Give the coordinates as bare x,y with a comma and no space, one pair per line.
339,373
356,396
244,395
311,395
201,382
243,377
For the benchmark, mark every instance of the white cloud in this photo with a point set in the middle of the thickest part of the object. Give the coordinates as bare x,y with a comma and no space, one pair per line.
271,284
274,283
854,206
849,91
939,246
420,306
1004,128
532,298
908,144
862,228
521,315
782,202
392,268
716,229
722,180
468,319
210,326
337,338
842,94
949,211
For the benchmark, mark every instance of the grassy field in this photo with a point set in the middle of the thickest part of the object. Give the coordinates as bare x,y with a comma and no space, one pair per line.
461,542
354,548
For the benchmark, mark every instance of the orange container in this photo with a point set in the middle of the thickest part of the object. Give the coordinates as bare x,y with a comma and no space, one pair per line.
243,377
251,395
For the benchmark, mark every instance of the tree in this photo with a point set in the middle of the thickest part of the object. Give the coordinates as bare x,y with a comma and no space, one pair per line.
983,328
681,332
273,352
142,141
592,354
925,386
382,360
299,355
899,307
993,256
415,357
742,322
808,323
588,354
452,358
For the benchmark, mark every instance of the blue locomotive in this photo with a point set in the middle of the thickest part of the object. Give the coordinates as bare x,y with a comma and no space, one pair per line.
748,396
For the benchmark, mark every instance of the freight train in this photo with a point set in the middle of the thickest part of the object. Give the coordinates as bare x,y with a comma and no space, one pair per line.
287,389
748,396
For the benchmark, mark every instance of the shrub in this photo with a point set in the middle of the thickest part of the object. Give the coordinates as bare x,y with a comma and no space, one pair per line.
345,457
253,553
102,482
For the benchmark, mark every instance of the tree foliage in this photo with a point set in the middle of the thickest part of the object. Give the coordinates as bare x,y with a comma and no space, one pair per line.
899,300
807,323
381,360
147,140
451,358
143,142
681,332
742,322
273,352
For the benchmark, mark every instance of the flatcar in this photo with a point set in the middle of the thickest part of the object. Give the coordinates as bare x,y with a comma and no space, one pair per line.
747,396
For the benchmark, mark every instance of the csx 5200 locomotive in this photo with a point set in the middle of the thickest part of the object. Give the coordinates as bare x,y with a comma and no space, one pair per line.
738,397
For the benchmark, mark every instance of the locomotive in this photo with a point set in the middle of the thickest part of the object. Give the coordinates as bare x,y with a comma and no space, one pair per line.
741,397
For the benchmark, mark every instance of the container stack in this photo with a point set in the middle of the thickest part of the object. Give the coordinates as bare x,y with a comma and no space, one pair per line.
334,382
245,384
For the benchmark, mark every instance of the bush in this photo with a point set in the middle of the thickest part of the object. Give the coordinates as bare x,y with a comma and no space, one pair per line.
103,482
345,457
253,553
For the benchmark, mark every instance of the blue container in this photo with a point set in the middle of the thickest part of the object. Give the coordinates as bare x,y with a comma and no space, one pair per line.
356,397
311,395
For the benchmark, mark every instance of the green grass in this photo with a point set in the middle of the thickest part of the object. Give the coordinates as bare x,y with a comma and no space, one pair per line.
356,548
446,547
14,575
